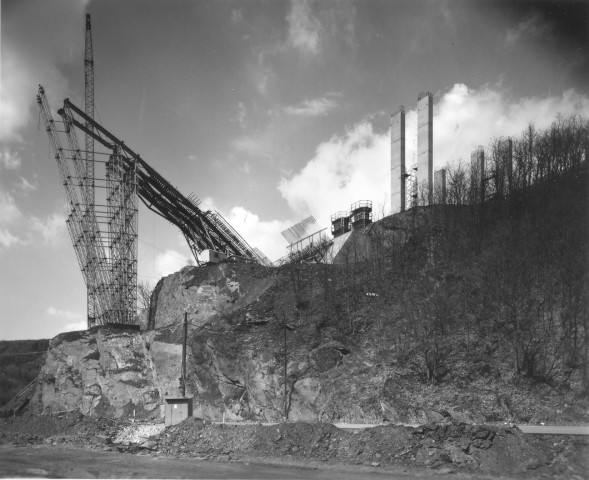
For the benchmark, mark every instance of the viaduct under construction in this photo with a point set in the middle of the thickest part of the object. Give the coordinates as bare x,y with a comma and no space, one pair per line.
103,227
103,186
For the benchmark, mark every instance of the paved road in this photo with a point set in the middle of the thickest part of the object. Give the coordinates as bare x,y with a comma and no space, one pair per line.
555,429
43,461
537,429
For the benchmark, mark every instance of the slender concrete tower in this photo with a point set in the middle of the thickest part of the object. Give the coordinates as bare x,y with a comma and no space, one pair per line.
398,161
425,158
506,152
477,175
440,186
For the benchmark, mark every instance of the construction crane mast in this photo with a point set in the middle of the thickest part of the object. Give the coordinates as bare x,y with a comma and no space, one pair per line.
89,156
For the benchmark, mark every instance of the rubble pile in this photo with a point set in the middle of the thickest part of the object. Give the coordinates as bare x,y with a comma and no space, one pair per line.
68,428
435,445
138,433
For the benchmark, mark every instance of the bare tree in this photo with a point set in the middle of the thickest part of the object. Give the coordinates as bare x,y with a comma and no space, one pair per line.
144,294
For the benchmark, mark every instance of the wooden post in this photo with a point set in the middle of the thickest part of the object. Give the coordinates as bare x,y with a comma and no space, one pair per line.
285,368
184,354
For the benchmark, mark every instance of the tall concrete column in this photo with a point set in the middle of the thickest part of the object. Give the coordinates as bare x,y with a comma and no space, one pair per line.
398,161
425,157
477,175
440,186
507,154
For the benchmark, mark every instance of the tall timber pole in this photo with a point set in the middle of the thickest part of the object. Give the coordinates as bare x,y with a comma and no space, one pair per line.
184,354
89,180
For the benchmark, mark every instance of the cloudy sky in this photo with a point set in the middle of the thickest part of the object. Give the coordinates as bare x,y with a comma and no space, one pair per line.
269,111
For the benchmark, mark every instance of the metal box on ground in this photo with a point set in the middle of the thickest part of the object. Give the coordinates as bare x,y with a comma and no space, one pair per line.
177,409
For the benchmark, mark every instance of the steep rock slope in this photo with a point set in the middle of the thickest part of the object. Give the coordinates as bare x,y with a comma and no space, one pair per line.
264,342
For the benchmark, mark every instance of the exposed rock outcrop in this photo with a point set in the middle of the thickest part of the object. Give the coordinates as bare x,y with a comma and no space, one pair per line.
107,373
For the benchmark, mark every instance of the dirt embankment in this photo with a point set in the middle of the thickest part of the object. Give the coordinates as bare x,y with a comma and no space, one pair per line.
443,447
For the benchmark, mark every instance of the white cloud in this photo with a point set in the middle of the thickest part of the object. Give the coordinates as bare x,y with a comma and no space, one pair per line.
250,145
9,160
169,262
261,72
344,169
531,26
7,239
74,326
25,186
50,228
21,229
356,165
265,235
236,15
76,321
9,212
262,234
304,29
313,108
27,62
65,314
241,114
14,108
10,215
465,118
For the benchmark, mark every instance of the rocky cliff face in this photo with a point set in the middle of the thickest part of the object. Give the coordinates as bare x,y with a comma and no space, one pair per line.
104,374
114,373
235,354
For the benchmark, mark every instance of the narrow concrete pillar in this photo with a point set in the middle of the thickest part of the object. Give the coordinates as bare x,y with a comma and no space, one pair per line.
507,156
440,186
425,158
477,175
398,161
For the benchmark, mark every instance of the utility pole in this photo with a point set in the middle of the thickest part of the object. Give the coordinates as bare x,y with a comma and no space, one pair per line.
184,354
285,368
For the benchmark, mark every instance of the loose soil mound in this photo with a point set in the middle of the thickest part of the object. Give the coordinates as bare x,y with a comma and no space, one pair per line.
66,428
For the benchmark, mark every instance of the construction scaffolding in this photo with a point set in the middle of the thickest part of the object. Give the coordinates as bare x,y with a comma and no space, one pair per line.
122,222
103,227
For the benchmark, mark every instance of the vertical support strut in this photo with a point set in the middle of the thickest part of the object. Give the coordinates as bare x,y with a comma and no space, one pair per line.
121,176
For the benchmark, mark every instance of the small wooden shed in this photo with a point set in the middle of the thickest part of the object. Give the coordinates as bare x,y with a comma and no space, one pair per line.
177,409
